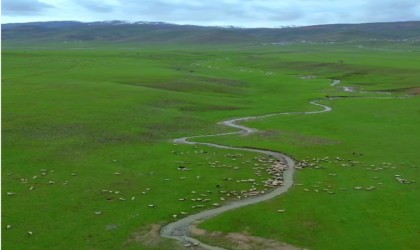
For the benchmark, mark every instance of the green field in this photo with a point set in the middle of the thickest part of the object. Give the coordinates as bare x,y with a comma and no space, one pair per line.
86,144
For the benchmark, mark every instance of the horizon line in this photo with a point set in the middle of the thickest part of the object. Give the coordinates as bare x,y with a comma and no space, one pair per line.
224,26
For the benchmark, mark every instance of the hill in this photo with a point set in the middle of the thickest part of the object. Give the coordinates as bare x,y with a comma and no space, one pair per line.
159,32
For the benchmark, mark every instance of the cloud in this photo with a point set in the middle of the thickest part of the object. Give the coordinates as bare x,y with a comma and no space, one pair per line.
390,10
184,10
23,7
246,13
211,12
95,5
285,13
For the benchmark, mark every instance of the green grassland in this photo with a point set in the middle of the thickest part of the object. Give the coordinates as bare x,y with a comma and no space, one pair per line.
90,130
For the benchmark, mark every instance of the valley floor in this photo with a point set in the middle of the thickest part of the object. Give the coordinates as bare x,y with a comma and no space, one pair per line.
88,161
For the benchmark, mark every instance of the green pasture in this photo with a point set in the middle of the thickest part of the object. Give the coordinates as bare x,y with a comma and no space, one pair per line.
87,151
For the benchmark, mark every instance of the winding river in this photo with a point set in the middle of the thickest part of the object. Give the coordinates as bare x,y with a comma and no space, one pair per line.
179,229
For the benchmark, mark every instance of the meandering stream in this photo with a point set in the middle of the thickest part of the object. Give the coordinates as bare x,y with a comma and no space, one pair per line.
179,229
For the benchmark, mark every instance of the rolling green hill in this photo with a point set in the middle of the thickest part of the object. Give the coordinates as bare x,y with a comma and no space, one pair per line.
90,111
158,32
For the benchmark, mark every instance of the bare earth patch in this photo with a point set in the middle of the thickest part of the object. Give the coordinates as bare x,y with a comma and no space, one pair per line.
146,236
196,231
243,241
248,242
414,91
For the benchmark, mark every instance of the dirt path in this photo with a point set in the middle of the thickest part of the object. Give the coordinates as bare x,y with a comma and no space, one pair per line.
179,229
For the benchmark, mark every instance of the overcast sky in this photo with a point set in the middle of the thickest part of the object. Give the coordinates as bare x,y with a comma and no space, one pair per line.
244,13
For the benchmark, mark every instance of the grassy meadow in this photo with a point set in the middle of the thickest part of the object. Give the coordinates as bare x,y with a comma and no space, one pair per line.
88,162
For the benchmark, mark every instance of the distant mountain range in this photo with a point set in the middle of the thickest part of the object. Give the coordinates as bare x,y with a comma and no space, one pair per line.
160,32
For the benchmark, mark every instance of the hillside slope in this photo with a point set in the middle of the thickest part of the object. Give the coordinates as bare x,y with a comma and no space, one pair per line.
158,32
